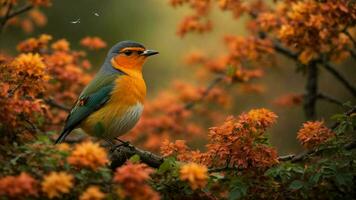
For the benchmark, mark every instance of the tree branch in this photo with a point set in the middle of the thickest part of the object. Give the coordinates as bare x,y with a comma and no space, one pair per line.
312,90
6,17
13,14
122,153
302,156
285,51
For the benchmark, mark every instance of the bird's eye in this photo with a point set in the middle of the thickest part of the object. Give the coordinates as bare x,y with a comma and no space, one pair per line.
127,53
139,52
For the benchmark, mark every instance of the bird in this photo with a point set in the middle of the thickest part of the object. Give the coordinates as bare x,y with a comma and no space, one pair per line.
112,103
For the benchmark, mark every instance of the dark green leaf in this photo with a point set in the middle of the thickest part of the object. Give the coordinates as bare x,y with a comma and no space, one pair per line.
296,185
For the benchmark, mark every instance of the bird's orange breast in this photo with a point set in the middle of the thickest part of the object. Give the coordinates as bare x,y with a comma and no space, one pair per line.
129,89
128,93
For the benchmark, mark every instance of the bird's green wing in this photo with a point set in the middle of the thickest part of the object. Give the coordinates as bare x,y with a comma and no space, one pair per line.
94,96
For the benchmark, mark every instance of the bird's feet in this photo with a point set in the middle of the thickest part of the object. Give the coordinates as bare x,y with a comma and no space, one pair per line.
123,143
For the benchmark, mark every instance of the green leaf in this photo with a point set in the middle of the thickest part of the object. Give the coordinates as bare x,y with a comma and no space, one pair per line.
43,139
343,178
298,169
167,164
338,117
230,71
135,158
238,189
296,185
314,179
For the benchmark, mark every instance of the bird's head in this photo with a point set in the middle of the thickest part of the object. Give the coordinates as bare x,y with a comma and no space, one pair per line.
129,56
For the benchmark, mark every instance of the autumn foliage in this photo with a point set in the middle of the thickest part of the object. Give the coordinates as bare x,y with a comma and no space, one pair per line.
205,153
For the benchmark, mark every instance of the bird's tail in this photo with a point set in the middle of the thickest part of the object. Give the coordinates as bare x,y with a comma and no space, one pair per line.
63,136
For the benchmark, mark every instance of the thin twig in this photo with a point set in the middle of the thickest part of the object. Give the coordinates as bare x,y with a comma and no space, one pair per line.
12,92
55,104
329,67
352,53
330,99
350,37
33,126
285,51
302,156
206,92
348,113
6,17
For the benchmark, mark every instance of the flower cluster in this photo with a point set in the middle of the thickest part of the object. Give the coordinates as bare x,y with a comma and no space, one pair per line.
89,155
92,193
22,185
239,142
314,27
93,43
43,72
195,174
23,80
31,72
57,183
132,179
35,44
313,134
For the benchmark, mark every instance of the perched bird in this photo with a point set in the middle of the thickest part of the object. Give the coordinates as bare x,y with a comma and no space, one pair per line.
112,103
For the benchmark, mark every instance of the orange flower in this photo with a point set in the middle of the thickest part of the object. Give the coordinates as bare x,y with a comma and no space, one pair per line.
196,57
63,147
88,154
61,45
92,193
132,178
262,117
30,65
195,174
56,183
34,44
289,100
93,43
306,56
38,17
313,134
137,173
193,24
178,148
19,186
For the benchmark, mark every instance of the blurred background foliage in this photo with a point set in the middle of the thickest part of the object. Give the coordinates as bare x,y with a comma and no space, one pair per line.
153,23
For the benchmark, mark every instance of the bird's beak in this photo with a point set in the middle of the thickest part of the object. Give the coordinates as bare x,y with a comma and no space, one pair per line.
149,52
